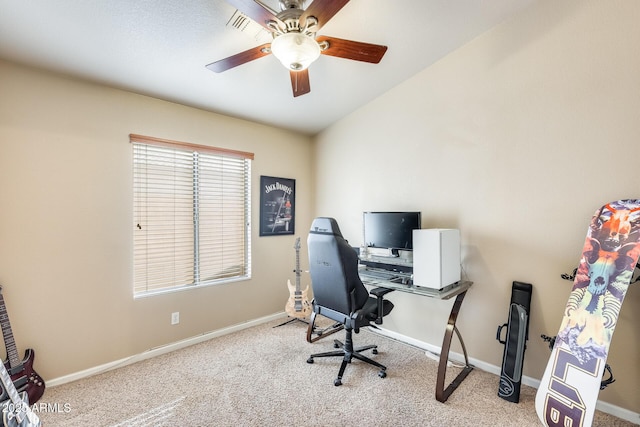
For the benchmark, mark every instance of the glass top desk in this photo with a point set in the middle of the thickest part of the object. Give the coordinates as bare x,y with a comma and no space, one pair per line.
457,290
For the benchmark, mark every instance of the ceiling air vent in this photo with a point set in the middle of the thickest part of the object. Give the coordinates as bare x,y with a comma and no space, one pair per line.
242,23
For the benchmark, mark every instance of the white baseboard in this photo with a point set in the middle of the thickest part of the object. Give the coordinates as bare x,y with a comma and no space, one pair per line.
157,351
433,352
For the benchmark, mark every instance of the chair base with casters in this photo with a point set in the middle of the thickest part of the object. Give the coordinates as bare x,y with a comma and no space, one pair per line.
374,310
347,352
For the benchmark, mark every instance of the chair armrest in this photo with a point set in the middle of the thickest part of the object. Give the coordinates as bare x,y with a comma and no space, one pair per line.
380,293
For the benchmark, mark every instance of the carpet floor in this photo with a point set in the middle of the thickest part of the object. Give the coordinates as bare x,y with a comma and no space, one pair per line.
259,377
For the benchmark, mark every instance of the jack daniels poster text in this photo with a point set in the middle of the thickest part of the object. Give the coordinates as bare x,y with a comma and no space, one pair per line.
277,206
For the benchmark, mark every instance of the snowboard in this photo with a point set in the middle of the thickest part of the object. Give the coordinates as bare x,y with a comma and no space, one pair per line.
571,382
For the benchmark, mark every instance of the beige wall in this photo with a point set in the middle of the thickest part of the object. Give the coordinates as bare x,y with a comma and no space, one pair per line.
66,221
515,139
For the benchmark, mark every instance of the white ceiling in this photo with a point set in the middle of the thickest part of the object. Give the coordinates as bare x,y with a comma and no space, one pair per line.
160,48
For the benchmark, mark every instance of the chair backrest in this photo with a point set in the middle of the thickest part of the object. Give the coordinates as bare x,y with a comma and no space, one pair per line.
333,265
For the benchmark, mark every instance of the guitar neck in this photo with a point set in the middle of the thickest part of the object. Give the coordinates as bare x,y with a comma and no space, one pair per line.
7,334
298,267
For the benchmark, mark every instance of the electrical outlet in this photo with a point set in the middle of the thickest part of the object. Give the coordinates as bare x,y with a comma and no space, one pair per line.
175,318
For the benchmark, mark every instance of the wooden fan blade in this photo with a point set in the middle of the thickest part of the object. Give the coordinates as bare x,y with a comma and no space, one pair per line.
240,58
349,49
254,11
300,82
324,10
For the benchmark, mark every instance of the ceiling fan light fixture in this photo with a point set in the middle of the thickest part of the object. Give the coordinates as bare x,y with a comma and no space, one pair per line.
295,51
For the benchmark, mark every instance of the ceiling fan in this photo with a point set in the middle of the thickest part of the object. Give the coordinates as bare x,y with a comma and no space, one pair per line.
295,42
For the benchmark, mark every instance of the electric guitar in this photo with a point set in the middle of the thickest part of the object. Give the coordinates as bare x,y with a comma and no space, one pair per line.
298,305
21,372
15,410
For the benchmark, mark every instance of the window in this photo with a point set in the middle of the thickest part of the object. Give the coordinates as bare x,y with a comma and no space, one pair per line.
191,215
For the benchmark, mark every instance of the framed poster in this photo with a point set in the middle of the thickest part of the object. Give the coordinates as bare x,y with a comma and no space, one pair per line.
277,206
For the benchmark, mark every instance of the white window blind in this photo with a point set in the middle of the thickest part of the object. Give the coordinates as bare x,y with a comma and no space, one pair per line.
191,215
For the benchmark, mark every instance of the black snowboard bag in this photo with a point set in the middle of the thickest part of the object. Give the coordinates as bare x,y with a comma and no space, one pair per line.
515,341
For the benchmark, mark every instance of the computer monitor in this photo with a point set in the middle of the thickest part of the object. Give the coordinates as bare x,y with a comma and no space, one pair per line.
390,230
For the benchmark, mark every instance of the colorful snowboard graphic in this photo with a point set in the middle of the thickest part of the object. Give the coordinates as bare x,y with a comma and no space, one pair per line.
569,387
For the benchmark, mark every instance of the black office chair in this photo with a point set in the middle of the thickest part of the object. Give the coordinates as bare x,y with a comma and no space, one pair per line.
339,293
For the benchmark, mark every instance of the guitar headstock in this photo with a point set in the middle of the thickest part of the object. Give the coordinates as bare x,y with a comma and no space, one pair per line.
296,246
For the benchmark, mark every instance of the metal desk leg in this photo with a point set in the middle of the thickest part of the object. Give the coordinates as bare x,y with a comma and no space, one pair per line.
311,330
442,394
